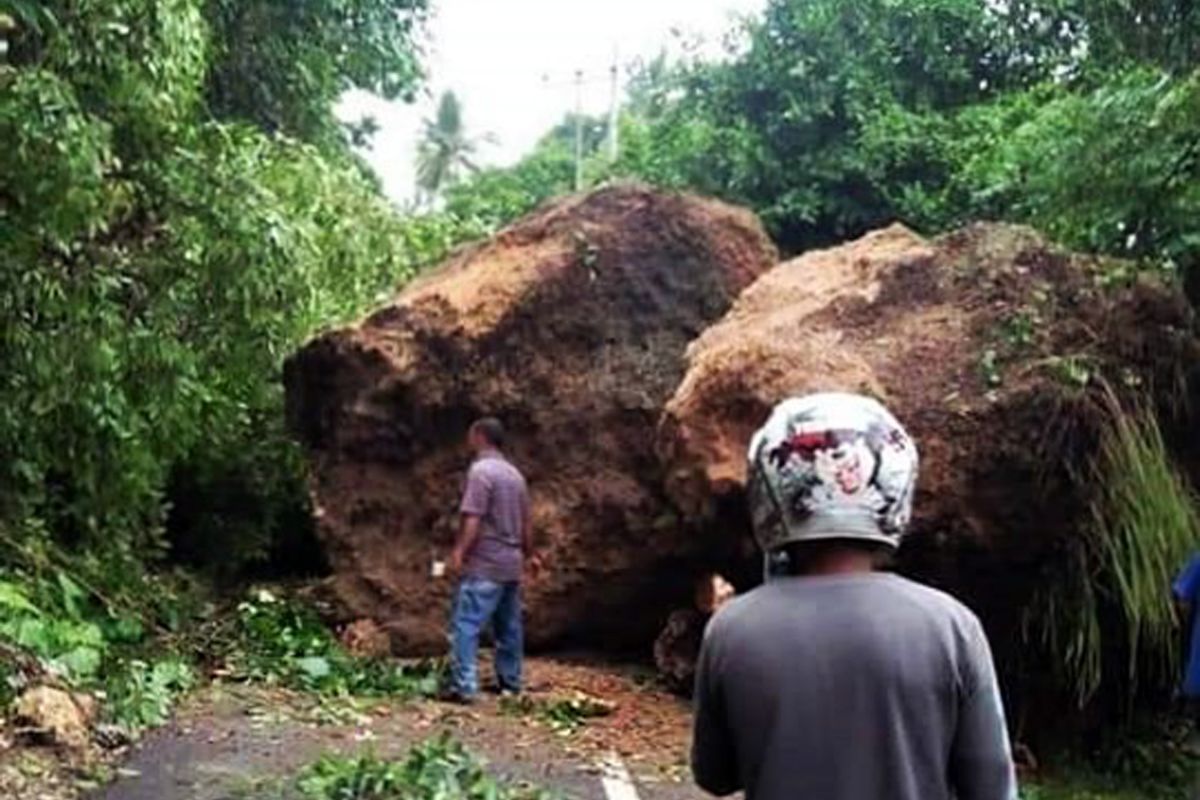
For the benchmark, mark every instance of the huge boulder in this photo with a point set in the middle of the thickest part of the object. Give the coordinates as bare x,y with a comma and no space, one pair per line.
995,349
571,327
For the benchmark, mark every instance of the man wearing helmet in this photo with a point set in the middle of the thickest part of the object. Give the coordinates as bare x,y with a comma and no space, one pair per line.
834,680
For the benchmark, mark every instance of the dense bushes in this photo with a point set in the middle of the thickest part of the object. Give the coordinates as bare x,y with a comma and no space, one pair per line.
63,632
280,640
1112,169
160,261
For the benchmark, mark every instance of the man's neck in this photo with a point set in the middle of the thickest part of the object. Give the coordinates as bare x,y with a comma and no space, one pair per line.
839,561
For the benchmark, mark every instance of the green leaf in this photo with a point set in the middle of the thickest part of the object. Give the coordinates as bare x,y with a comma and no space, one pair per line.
13,598
80,662
315,667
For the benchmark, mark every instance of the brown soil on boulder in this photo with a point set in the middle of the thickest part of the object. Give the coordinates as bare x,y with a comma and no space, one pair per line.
571,327
988,344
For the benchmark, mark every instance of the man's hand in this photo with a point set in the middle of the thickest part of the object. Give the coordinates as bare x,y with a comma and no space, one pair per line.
455,563
534,565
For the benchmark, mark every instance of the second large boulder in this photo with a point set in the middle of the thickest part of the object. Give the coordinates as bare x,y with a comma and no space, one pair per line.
1000,353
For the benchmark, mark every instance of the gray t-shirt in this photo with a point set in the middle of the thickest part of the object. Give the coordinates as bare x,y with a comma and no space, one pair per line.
849,687
496,493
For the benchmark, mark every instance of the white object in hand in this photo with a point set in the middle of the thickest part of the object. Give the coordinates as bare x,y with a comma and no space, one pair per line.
437,569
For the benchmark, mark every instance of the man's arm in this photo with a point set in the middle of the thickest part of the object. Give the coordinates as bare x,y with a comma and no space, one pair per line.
981,765
468,533
477,497
714,759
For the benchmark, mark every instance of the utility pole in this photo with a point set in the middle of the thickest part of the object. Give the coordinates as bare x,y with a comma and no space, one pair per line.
614,113
614,110
578,130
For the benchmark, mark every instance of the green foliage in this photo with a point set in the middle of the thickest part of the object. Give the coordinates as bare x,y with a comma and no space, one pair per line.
58,624
171,339
438,768
63,639
58,154
141,695
282,641
830,118
1150,761
161,257
445,150
1161,767
1078,788
1145,524
1165,33
786,126
282,66
492,198
161,261
137,64
1113,170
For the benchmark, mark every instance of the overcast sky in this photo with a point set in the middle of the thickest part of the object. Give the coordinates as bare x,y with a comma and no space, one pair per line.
512,63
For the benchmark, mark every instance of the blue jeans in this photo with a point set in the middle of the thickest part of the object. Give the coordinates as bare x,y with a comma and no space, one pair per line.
477,602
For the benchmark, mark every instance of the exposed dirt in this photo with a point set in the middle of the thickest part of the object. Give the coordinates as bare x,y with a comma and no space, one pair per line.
571,327
233,741
989,344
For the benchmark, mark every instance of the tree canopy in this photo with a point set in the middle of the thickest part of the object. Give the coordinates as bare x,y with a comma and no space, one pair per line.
179,210
831,117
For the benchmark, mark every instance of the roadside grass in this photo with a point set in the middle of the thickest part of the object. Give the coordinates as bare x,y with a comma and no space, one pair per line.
133,666
1154,759
1145,522
1087,786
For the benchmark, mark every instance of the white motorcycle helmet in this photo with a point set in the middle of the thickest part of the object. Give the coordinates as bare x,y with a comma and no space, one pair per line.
830,466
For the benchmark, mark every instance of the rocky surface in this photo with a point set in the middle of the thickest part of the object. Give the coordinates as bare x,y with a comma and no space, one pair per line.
996,350
571,327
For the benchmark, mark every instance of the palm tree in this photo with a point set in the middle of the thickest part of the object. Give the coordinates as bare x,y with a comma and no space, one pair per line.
444,150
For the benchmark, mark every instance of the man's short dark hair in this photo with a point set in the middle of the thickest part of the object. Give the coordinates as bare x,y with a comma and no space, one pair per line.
491,429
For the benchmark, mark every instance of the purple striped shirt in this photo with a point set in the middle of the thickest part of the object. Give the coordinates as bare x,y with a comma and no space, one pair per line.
496,493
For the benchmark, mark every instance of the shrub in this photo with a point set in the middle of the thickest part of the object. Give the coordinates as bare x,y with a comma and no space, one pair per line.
1144,525
435,769
282,641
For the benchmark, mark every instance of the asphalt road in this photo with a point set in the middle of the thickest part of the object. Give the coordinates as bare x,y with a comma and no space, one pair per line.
242,744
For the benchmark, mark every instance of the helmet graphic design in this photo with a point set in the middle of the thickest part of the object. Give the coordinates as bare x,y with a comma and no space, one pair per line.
831,466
